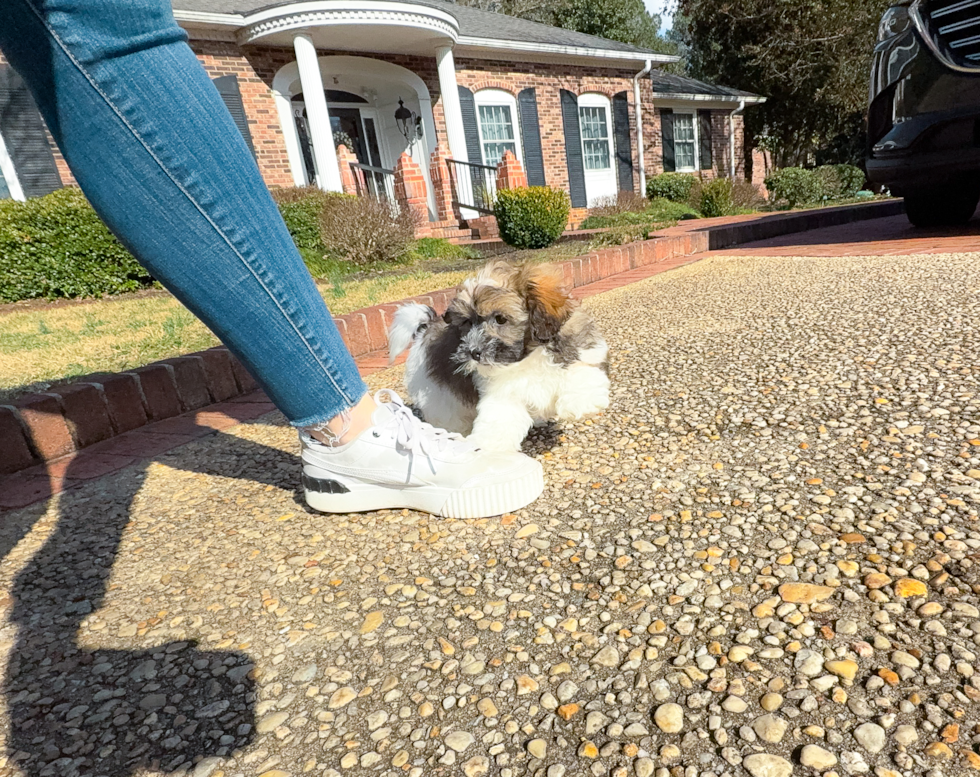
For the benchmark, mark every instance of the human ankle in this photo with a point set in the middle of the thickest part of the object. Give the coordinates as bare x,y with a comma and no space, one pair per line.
349,425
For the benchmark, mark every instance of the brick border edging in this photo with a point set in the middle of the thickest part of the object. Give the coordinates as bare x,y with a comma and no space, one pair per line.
39,428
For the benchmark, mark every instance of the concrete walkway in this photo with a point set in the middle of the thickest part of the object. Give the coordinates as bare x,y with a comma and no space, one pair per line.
764,554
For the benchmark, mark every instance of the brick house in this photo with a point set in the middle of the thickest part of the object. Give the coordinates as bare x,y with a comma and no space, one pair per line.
421,82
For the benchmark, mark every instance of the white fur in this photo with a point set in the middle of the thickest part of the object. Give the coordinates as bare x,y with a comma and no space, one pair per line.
408,319
536,389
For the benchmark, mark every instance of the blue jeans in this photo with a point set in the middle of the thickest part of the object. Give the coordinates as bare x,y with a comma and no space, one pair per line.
154,149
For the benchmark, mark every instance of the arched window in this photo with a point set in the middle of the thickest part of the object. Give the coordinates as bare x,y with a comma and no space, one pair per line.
496,112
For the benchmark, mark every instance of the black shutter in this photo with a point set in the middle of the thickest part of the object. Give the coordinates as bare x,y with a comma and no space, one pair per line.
667,131
624,146
704,120
25,138
471,129
573,149
527,107
232,97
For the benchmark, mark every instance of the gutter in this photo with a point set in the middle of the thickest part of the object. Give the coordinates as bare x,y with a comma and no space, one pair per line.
638,108
731,132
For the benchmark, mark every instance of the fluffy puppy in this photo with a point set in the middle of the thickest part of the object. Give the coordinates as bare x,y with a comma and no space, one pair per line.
512,350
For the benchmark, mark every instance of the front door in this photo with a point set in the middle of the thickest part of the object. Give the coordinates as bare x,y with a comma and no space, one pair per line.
597,148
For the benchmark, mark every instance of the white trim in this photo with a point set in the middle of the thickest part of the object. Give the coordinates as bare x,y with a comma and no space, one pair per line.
10,174
321,13
492,97
318,115
210,19
706,98
638,111
604,182
568,51
695,124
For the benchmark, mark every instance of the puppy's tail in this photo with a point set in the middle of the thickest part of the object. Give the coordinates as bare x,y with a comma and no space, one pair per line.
410,321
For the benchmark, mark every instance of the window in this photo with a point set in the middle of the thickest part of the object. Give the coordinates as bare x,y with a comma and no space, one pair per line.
685,142
9,185
497,119
594,124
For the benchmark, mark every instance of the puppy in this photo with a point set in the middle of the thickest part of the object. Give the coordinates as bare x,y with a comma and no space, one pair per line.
512,350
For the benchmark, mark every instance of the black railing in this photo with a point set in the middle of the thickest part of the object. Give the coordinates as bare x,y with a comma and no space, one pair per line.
374,182
474,186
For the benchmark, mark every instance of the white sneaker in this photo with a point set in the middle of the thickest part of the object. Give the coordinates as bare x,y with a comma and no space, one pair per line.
403,462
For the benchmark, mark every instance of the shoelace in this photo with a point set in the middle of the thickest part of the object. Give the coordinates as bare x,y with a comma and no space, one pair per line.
415,435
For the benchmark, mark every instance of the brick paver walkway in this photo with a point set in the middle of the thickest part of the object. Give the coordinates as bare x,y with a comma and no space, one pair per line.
893,236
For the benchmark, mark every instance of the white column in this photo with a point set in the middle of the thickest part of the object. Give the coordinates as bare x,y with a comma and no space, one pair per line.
450,103
324,153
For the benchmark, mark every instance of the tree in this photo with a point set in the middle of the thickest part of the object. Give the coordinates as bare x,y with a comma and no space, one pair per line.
810,58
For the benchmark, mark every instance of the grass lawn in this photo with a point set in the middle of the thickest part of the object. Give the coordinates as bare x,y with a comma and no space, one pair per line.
44,343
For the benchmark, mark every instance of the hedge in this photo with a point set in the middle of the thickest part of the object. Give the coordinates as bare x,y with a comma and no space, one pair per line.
56,246
676,187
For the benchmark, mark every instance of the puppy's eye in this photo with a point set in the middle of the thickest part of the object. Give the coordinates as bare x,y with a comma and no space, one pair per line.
500,320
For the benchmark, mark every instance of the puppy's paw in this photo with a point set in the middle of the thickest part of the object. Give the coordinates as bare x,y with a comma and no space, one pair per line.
576,408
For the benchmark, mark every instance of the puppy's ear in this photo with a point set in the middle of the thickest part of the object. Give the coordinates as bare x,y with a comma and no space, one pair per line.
548,303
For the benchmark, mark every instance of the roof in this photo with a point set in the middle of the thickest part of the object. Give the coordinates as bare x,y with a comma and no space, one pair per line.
473,24
667,85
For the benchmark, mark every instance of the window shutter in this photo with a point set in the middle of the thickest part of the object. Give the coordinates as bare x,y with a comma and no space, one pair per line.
471,129
232,97
527,107
573,150
704,133
624,146
667,131
25,138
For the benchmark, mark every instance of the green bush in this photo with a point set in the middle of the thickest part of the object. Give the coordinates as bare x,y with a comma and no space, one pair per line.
56,246
531,218
675,187
717,198
852,179
794,186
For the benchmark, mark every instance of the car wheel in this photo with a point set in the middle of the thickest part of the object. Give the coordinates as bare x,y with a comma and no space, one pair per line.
942,209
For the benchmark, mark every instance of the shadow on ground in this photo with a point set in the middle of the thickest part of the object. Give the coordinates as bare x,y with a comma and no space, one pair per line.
78,711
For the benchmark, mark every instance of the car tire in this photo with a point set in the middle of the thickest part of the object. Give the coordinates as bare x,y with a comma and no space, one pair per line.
950,208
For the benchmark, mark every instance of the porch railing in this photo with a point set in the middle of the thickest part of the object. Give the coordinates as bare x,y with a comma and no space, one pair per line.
377,182
474,186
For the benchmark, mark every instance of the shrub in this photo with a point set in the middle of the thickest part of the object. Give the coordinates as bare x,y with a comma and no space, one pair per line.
745,196
716,198
301,208
440,248
621,202
56,246
852,179
675,187
363,230
531,218
794,186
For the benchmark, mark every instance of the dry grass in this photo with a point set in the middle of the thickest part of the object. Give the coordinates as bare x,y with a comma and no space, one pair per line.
42,346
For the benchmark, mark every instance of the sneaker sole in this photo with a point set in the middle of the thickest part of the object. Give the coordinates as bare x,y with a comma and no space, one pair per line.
478,502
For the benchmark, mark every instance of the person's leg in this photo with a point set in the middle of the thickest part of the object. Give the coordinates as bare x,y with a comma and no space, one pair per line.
154,149
157,154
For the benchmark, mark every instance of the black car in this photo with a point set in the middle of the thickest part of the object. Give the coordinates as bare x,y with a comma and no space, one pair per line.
924,117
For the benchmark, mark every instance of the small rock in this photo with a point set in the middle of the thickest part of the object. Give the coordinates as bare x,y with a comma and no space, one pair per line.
804,593
459,740
538,748
770,728
608,656
908,587
765,765
871,737
669,718
817,758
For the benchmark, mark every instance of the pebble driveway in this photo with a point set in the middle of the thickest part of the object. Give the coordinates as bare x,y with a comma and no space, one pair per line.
764,560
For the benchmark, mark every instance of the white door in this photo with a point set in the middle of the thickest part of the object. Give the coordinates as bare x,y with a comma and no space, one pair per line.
597,148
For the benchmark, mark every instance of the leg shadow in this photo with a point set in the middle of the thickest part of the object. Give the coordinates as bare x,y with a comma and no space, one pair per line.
79,711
